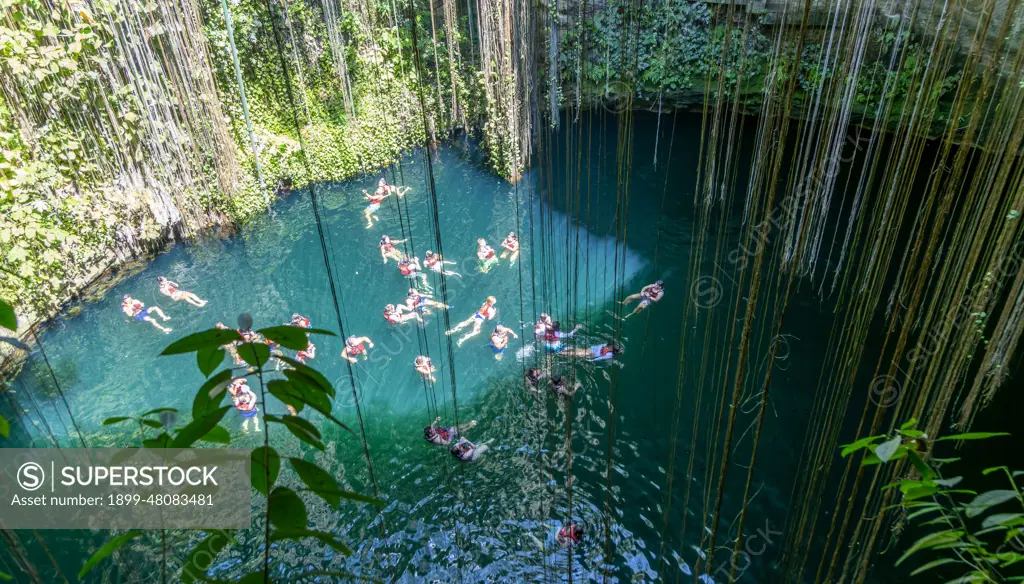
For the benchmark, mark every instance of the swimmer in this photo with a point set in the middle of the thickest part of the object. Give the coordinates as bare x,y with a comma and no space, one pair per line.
533,377
393,314
648,294
410,268
420,302
137,310
308,353
383,184
499,340
553,335
388,249
602,352
487,312
245,402
466,451
354,347
511,245
570,534
543,324
436,264
375,199
560,385
169,288
485,254
443,436
425,368
300,321
231,348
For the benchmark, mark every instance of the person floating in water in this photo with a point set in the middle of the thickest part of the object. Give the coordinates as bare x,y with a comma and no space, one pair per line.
648,294
466,451
354,348
231,348
602,352
544,323
560,385
375,199
300,321
410,268
443,436
383,184
308,353
485,254
511,245
553,335
137,310
425,368
569,535
393,314
245,402
388,249
435,263
169,288
485,313
420,302
499,340
533,377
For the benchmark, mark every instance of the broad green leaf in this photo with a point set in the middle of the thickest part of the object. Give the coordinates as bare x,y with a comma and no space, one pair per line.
931,540
988,499
919,492
264,459
107,549
318,480
290,393
909,424
161,441
197,429
151,423
922,467
1000,519
209,359
5,427
116,420
301,429
855,446
912,433
7,318
202,556
973,436
318,379
932,564
6,576
210,394
284,391
887,449
993,469
950,482
325,538
318,331
289,337
159,411
217,435
924,511
286,509
255,354
202,340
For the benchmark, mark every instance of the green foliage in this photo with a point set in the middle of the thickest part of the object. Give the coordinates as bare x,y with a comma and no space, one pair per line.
960,526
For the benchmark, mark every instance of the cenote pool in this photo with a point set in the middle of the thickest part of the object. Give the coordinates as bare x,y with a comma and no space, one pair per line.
493,520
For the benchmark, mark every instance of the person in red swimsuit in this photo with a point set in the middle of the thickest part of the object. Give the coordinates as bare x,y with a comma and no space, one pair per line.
486,312
354,347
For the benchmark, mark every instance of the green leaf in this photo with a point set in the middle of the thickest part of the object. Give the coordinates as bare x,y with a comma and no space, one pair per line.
5,427
993,469
151,423
291,393
887,449
930,540
217,435
161,441
197,429
289,337
924,511
210,394
202,340
318,480
300,428
932,564
988,499
116,420
286,509
8,320
107,549
855,446
973,436
1000,519
259,467
922,467
909,424
6,576
912,433
284,391
159,411
202,556
318,380
209,359
317,331
919,492
325,538
950,482
255,354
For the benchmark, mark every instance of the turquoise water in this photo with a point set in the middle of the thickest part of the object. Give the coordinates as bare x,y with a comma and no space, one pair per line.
493,520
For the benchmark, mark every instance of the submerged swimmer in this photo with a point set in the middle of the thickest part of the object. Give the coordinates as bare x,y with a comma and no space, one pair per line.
553,335
137,310
560,385
486,312
435,263
466,451
533,377
425,368
354,347
410,268
300,321
511,245
375,199
443,436
485,254
388,249
648,294
602,352
169,288
544,323
570,534
383,184
245,402
420,302
499,340
393,314
231,348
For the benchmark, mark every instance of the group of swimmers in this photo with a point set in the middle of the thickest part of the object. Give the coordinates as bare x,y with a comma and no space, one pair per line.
137,310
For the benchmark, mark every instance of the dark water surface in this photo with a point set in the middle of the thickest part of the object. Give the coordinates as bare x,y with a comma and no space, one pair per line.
493,520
